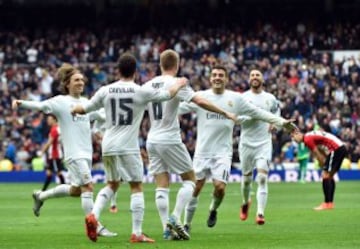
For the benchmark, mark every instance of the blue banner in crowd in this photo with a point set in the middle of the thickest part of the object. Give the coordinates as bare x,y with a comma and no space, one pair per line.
288,175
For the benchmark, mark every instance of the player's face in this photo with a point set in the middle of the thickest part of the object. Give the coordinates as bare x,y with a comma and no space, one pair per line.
297,136
50,120
218,79
256,79
76,85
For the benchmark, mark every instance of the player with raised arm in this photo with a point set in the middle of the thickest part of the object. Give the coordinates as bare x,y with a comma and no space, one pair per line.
167,153
213,152
255,146
124,102
330,151
77,148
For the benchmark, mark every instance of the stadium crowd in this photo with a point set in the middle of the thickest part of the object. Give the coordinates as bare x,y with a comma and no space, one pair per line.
296,61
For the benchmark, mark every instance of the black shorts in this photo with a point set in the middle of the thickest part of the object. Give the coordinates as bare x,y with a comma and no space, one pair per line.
55,165
334,159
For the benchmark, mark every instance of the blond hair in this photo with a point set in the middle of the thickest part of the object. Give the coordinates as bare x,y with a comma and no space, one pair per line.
169,59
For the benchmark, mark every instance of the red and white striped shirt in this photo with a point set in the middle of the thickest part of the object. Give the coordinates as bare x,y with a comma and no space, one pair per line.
323,139
55,150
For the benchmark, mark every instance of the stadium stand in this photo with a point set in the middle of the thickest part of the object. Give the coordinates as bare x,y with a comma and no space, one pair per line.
297,58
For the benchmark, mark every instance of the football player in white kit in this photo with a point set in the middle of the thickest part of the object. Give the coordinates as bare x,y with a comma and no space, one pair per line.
255,147
76,139
167,152
99,130
125,103
213,152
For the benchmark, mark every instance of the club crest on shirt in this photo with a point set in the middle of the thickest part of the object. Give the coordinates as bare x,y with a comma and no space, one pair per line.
230,103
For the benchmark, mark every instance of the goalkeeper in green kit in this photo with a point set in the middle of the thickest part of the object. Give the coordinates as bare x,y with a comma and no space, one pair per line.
302,156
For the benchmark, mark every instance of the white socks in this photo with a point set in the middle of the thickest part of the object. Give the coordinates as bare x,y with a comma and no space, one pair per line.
190,210
162,204
87,202
113,200
262,193
59,191
183,198
137,206
101,200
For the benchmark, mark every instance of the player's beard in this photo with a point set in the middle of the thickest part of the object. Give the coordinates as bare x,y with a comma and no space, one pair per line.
255,86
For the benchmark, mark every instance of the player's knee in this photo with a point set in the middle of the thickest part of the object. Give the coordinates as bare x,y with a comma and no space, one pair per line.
261,178
161,193
114,185
247,179
190,185
220,189
188,176
75,191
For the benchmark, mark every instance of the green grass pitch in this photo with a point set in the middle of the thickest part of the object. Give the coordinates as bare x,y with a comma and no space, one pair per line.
290,220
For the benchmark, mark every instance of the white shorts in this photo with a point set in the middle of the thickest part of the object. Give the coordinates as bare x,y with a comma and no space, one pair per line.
216,168
127,168
251,158
171,158
79,171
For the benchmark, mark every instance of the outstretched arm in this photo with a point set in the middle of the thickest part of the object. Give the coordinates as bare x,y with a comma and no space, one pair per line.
247,108
207,105
32,105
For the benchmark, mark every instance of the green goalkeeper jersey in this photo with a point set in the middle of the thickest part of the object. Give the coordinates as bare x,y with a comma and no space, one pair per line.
302,152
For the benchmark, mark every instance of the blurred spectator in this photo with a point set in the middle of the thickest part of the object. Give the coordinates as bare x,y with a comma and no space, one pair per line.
296,60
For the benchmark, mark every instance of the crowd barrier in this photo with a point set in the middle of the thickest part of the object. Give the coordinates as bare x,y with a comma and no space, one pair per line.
287,175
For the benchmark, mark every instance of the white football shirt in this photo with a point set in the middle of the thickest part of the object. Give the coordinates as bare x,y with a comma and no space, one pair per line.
165,127
124,103
256,132
214,130
75,130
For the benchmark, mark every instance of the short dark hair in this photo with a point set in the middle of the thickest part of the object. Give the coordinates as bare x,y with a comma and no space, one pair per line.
127,65
221,67
52,115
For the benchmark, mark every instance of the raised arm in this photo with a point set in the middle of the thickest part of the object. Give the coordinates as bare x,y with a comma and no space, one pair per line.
207,105
32,105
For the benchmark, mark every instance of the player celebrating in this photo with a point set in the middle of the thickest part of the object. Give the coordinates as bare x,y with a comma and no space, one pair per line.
77,148
255,147
167,153
213,151
330,152
124,102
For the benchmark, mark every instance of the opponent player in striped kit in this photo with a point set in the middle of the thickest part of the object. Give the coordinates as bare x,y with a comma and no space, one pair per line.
54,151
330,151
